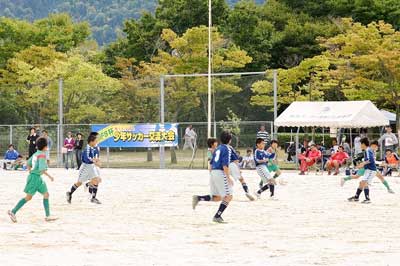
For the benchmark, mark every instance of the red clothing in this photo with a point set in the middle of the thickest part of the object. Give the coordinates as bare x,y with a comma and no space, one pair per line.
340,156
69,144
313,155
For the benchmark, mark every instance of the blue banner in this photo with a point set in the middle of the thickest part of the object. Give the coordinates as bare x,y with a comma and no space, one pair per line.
137,135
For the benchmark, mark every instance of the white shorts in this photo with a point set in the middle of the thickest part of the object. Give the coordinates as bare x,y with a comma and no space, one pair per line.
263,172
219,185
234,170
88,172
368,176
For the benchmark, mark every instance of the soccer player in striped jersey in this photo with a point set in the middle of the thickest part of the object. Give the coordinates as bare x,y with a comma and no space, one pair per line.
37,166
360,172
235,172
220,182
89,170
261,158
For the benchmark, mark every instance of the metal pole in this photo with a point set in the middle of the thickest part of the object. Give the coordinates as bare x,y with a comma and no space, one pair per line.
209,71
351,144
108,157
162,120
61,119
275,84
297,148
11,134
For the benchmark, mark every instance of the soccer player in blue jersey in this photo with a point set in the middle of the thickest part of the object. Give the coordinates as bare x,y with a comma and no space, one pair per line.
220,182
234,170
261,158
89,170
370,171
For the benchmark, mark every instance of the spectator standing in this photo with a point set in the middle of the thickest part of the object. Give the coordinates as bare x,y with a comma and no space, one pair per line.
78,149
346,147
187,137
45,135
389,139
263,134
357,145
31,139
190,138
69,144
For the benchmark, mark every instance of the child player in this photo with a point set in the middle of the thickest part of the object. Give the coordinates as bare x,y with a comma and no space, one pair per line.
261,158
369,172
89,170
220,181
212,144
360,172
273,162
37,167
235,172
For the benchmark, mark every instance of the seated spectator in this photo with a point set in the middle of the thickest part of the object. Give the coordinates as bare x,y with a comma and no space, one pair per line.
10,156
337,159
248,160
309,158
19,163
291,151
335,146
391,162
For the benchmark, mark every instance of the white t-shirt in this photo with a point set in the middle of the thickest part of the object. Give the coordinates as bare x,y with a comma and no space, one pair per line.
357,145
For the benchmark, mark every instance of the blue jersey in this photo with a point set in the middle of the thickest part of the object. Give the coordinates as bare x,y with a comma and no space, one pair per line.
369,156
260,155
89,154
11,155
234,156
221,157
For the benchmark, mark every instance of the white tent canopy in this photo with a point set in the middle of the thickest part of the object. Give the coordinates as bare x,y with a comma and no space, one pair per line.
389,115
349,114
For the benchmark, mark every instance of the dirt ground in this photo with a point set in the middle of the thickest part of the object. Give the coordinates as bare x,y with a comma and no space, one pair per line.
146,219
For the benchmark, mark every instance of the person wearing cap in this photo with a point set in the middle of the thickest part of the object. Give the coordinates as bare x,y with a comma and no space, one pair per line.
309,158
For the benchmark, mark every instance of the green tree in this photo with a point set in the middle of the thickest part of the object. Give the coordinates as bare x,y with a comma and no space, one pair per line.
32,76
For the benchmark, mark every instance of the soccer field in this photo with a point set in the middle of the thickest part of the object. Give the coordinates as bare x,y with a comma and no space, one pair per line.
146,219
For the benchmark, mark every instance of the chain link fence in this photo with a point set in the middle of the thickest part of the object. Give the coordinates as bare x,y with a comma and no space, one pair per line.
191,155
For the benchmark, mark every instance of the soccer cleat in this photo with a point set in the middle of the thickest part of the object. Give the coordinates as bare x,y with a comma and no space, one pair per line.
195,201
50,219
95,200
258,195
69,197
342,181
353,199
302,173
336,173
12,216
390,191
273,198
329,172
218,220
366,201
250,197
